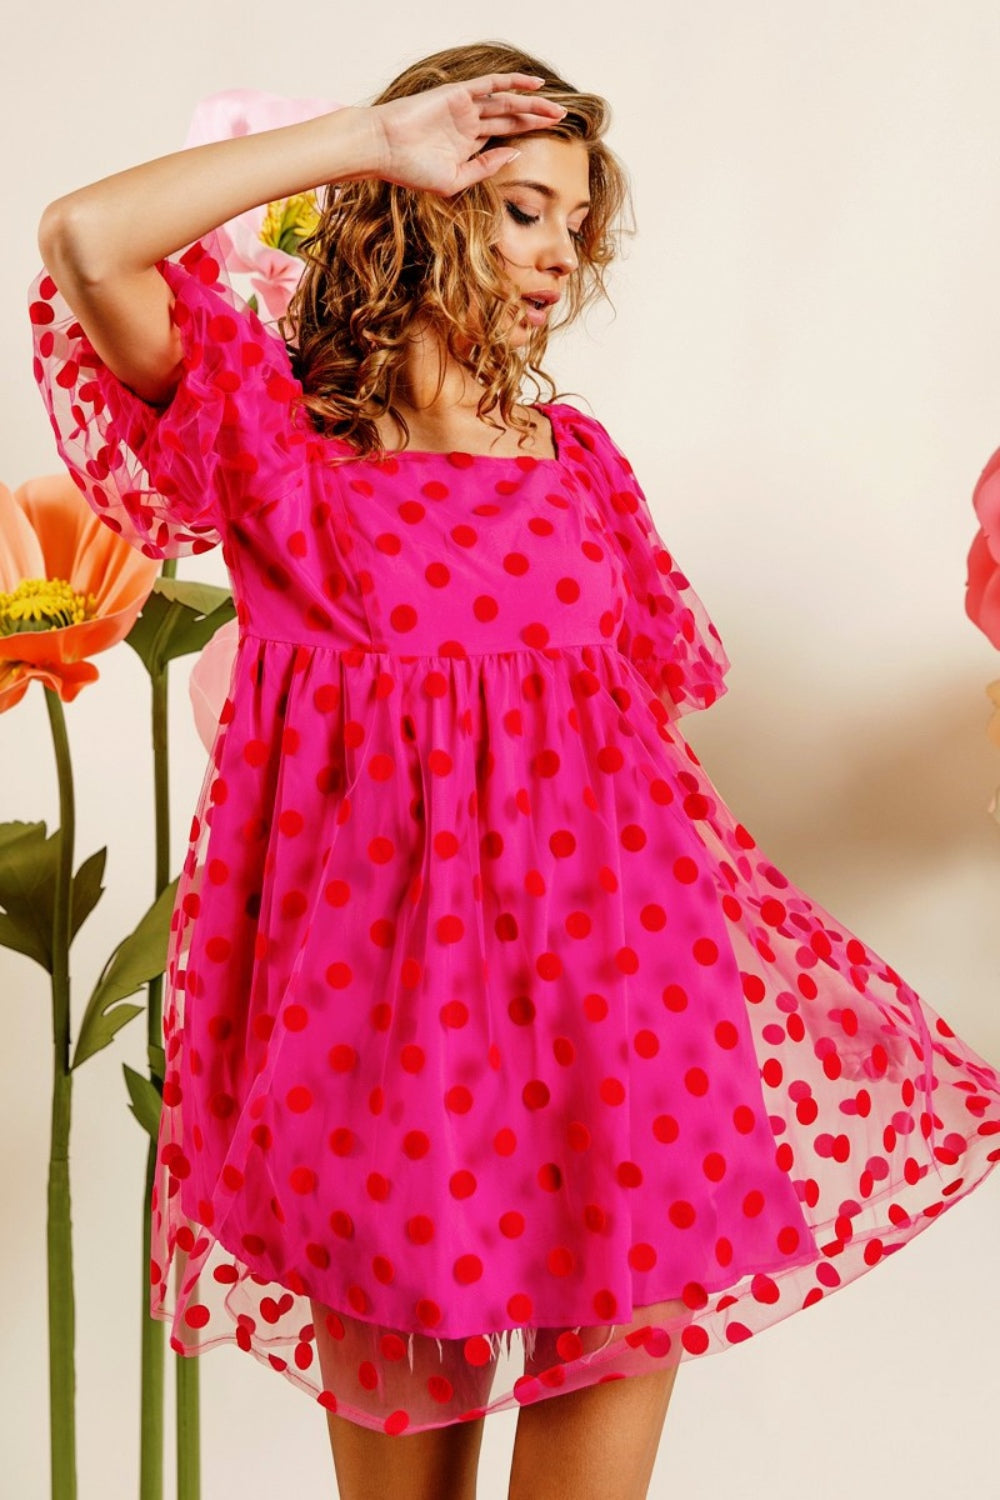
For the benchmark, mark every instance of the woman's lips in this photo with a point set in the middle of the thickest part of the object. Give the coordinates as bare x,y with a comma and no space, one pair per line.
536,316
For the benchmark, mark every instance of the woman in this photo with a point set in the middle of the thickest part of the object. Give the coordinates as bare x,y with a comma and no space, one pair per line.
484,1012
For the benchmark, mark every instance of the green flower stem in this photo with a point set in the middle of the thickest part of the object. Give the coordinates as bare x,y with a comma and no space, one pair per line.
62,1306
152,1382
153,1329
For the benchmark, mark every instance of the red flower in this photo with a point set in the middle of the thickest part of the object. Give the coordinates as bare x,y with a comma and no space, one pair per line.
982,593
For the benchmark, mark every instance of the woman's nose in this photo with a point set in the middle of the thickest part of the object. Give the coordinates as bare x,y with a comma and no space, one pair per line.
560,254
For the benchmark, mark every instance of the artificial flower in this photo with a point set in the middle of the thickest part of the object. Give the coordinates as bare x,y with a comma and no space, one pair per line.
982,597
262,242
208,684
69,588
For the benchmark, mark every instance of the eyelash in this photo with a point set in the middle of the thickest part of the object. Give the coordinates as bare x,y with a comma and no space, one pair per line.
520,217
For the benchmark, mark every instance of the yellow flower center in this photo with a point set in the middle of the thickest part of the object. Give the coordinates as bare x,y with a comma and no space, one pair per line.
44,604
288,221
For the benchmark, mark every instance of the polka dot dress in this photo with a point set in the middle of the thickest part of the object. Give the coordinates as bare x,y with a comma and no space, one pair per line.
500,1059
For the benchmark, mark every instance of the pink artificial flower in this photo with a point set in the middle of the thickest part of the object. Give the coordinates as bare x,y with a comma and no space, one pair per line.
210,679
982,597
261,241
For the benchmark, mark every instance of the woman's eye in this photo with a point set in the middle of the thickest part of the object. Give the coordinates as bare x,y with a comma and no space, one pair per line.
520,217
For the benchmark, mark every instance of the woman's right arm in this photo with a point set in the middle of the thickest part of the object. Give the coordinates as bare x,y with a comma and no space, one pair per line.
101,243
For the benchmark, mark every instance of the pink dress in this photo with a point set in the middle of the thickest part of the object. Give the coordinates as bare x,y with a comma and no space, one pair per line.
485,1016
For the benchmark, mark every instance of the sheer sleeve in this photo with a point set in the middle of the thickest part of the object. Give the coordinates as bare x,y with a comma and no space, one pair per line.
168,478
665,630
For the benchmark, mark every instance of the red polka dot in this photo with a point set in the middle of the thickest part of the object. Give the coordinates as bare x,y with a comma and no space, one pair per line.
403,617
535,1094
696,1081
302,1180
694,1339
726,1035
560,1261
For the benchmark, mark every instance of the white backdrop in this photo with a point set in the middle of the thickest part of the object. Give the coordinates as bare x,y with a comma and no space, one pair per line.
802,367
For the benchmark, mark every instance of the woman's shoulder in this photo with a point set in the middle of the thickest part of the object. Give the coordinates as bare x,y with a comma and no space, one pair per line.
586,430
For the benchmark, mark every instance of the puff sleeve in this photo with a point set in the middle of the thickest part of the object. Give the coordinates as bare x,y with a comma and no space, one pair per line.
664,630
168,478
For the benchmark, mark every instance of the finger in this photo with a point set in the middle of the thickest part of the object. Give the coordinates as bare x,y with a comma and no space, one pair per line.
494,83
513,125
499,104
483,165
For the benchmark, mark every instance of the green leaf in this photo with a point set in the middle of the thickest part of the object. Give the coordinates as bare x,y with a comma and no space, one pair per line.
28,868
200,597
196,632
135,961
29,863
11,832
87,890
146,1100
179,616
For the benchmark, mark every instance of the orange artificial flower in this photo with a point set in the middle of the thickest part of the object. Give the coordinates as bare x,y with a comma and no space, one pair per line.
69,587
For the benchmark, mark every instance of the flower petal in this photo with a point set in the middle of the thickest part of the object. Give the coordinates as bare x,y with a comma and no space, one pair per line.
13,686
239,240
210,678
982,590
278,283
55,649
986,503
20,550
65,678
237,243
78,547
232,112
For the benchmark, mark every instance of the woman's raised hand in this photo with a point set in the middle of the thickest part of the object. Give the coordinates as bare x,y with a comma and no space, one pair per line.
430,140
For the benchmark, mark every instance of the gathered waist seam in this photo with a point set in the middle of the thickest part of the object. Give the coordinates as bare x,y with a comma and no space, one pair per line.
271,640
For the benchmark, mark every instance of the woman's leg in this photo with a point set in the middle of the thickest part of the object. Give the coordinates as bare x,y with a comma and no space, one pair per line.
597,1443
439,1463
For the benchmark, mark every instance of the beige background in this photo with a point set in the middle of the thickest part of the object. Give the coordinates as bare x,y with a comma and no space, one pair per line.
803,368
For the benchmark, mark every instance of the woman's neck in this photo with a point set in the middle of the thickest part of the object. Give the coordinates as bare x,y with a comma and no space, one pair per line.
445,419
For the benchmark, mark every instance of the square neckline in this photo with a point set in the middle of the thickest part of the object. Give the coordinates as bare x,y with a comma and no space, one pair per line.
497,458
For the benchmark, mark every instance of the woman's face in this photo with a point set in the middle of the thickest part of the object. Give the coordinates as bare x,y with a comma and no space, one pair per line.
545,194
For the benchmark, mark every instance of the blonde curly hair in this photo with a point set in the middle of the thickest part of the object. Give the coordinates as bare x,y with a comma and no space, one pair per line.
381,254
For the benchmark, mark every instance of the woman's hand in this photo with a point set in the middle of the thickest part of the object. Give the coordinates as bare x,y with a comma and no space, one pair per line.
430,140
